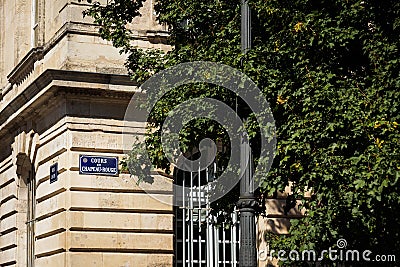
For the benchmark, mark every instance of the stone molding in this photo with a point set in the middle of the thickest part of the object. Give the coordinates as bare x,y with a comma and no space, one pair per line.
24,152
25,67
50,81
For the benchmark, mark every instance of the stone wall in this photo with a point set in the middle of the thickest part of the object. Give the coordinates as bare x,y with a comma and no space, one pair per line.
80,219
65,96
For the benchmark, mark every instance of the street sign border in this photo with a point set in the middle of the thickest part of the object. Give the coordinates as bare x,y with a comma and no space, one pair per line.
95,173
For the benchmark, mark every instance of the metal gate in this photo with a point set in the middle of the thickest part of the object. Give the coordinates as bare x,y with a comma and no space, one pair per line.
198,239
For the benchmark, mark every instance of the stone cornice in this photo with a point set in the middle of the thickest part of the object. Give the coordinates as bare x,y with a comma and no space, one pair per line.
71,28
51,81
157,36
25,66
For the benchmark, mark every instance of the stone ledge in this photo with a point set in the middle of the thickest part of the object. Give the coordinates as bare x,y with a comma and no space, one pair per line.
112,259
135,242
121,222
25,66
51,81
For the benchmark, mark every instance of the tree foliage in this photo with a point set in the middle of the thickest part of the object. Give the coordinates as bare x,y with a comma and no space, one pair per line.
330,70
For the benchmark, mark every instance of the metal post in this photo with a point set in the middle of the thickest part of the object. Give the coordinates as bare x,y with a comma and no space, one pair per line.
247,202
247,205
246,27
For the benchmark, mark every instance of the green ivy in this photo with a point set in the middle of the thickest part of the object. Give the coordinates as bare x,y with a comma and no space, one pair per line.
330,70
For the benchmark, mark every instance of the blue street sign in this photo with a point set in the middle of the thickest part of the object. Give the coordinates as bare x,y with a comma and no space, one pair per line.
54,173
98,165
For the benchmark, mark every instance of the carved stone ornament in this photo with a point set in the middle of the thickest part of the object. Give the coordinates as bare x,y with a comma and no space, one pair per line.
24,152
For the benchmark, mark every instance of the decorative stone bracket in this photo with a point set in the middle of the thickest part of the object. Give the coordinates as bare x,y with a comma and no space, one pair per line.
26,65
24,153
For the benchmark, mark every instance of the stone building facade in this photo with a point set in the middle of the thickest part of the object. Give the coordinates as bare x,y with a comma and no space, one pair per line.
64,92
